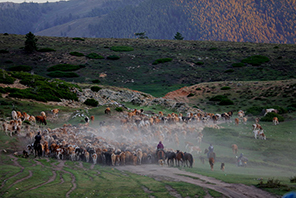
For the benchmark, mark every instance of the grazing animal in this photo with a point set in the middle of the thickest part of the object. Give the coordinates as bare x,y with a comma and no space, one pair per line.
245,119
55,112
43,114
259,133
196,149
14,115
236,121
257,127
275,121
241,113
222,166
108,111
171,157
234,149
25,154
179,158
41,120
202,159
92,119
266,111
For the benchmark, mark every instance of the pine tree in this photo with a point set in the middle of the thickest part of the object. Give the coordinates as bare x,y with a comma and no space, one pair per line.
31,42
178,36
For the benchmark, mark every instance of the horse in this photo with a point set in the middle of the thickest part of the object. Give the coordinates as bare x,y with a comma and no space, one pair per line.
171,157
179,157
188,158
38,150
160,155
211,157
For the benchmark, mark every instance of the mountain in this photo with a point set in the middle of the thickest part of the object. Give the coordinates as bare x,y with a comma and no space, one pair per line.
217,20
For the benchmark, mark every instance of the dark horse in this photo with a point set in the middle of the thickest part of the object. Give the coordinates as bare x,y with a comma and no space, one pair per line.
211,157
179,157
171,157
188,158
37,149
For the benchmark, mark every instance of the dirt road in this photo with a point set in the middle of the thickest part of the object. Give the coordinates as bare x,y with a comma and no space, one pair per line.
175,174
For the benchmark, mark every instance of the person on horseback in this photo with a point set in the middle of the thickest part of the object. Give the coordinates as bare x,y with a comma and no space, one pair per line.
159,147
37,146
211,150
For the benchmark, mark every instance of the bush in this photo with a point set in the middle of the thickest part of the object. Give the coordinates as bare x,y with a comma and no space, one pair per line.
293,179
269,117
91,102
3,51
96,81
190,95
46,49
255,110
225,88
5,34
218,98
113,57
226,101
5,78
95,88
65,67
24,68
122,48
162,60
76,54
60,74
119,109
256,60
78,39
238,65
198,88
94,56
8,61
199,63
229,71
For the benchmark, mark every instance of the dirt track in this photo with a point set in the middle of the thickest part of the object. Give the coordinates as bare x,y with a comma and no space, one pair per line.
175,174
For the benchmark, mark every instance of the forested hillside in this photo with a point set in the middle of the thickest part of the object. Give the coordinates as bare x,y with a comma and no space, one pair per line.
219,20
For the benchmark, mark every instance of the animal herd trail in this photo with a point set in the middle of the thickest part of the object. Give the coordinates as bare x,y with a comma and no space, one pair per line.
50,180
227,189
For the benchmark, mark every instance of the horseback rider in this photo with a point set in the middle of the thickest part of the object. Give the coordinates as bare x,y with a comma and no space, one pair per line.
159,147
37,139
211,150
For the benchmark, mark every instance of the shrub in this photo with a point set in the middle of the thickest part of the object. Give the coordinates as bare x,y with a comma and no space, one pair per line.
162,60
229,71
213,48
256,60
91,102
46,49
76,54
122,48
190,95
119,109
78,39
255,110
218,98
96,81
5,78
113,57
5,34
198,88
226,101
293,179
238,65
94,56
65,67
8,61
269,117
2,51
225,88
30,43
95,88
60,74
199,63
24,68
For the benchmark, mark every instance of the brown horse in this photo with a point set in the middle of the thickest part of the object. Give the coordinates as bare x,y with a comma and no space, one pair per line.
211,157
179,157
211,162
188,158
160,155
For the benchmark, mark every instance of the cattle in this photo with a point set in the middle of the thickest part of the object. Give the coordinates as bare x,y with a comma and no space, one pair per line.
236,121
245,119
241,113
94,158
19,115
234,148
195,149
14,115
108,111
266,111
10,128
41,120
26,116
275,121
32,119
260,134
43,114
55,112
257,127
92,118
